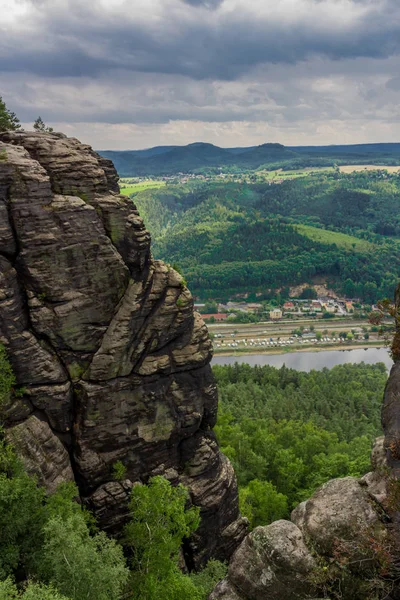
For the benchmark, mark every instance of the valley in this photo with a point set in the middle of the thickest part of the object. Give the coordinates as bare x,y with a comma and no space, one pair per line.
254,241
200,323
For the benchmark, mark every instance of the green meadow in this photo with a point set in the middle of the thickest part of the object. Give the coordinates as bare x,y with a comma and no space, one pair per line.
342,240
127,189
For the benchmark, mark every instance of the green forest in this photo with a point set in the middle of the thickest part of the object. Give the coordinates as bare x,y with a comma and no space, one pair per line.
287,432
232,238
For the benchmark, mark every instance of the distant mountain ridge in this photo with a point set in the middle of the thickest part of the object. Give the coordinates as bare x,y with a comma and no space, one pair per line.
170,160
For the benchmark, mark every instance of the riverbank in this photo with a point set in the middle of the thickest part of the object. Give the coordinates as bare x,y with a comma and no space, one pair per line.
364,345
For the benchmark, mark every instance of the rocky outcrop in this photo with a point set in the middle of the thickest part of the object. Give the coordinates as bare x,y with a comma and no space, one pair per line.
335,511
111,362
339,544
272,562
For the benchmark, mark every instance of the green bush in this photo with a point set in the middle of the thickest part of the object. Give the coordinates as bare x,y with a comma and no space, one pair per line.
206,580
33,591
21,515
118,470
160,521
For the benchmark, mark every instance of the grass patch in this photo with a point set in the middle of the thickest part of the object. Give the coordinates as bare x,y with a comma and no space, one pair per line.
127,189
342,240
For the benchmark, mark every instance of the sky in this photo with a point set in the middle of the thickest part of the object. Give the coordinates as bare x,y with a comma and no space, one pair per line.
122,74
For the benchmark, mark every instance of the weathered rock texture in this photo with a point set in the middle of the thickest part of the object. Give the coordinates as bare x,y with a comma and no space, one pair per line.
111,361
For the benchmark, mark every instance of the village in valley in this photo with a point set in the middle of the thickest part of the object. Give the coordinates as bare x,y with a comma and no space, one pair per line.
295,307
296,324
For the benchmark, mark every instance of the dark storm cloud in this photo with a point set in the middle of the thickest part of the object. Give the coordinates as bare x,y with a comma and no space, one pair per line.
221,44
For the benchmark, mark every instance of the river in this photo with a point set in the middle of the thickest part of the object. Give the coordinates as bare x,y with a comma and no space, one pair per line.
305,361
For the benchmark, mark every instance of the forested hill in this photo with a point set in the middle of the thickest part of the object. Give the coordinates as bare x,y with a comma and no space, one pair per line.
198,157
195,158
234,238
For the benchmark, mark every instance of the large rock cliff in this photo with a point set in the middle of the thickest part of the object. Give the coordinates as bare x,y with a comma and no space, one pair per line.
112,363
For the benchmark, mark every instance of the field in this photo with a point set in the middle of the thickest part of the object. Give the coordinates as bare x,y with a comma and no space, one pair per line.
133,188
293,174
342,240
353,168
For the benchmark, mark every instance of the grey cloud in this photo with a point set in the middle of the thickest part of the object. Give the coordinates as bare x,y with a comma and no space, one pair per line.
393,84
225,46
316,90
218,67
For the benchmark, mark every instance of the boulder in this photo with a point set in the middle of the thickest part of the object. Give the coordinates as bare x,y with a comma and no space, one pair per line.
272,562
339,509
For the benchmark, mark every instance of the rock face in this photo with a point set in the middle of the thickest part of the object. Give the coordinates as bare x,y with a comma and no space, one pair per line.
391,418
112,364
335,511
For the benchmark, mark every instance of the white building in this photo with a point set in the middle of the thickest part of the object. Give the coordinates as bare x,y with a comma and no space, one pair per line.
275,314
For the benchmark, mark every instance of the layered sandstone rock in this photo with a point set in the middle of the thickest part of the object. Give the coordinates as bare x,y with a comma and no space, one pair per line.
112,364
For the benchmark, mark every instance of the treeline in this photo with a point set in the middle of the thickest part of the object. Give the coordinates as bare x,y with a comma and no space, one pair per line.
196,158
207,158
221,247
287,432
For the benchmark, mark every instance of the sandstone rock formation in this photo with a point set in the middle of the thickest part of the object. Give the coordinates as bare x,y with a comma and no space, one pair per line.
112,364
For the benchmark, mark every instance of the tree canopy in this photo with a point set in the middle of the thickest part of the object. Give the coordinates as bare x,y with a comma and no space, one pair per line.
288,432
159,523
232,238
8,119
